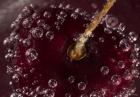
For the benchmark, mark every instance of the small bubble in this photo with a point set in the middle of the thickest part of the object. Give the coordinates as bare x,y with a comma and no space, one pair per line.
133,36
46,27
83,95
77,10
60,5
68,6
16,95
9,70
121,27
107,31
63,14
124,45
31,54
95,94
27,10
136,64
74,15
50,35
47,15
121,64
49,93
111,21
41,22
81,85
68,95
9,56
36,16
71,79
127,75
116,80
94,6
15,78
101,40
113,38
104,70
135,72
6,41
15,25
27,23
136,47
52,83
37,32
26,42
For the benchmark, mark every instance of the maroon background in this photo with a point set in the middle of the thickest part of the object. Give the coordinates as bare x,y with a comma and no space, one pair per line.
128,12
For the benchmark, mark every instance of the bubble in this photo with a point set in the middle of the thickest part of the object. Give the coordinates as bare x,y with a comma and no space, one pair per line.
6,41
27,23
95,94
136,47
61,18
74,15
135,72
121,27
31,54
15,25
81,85
9,56
15,78
68,95
47,15
18,70
136,64
11,41
49,93
127,75
104,70
27,11
63,14
46,27
16,95
52,83
37,32
60,5
41,22
124,45
101,40
71,79
50,35
26,42
9,70
116,80
111,21
94,6
83,95
121,64
133,36
107,31
68,6
36,15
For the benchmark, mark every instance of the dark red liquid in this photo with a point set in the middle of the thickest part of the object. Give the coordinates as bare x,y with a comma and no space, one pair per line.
50,60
